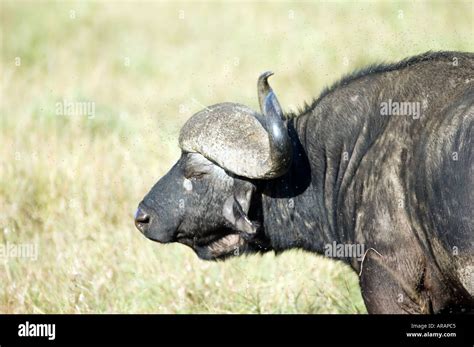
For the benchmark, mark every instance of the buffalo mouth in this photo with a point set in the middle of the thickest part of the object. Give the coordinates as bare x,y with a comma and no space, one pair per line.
219,247
223,246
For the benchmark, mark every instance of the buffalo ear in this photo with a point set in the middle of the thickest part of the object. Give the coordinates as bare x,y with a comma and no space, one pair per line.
236,208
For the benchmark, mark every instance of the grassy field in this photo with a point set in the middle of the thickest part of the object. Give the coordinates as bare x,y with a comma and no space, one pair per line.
70,183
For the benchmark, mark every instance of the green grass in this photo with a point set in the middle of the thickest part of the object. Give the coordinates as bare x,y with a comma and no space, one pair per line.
71,184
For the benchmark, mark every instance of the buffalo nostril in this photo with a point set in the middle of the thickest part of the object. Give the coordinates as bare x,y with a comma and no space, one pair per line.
141,219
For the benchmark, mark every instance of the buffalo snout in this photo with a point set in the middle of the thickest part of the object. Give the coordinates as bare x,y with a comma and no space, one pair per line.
153,227
142,220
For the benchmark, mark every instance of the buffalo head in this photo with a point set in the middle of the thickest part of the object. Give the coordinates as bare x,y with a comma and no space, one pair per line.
209,200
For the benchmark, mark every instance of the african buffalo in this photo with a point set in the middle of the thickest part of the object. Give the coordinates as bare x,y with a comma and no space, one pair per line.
382,160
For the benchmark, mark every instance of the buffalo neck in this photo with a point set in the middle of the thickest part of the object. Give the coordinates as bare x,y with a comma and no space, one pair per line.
310,206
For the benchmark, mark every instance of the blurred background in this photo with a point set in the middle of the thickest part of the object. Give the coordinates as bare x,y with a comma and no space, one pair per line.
93,95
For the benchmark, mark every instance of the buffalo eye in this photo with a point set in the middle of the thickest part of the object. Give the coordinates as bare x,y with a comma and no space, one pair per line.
192,172
196,166
195,175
